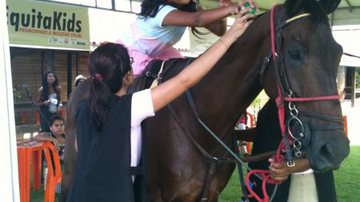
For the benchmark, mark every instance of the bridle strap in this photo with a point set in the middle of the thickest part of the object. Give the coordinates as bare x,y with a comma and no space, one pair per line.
311,99
297,17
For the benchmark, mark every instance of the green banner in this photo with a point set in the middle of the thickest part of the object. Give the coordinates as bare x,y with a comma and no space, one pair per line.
45,24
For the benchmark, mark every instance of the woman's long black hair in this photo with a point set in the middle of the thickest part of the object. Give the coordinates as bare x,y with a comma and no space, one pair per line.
107,66
149,8
45,87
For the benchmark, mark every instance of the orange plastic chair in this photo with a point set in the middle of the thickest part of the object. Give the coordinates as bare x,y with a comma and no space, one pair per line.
54,175
29,152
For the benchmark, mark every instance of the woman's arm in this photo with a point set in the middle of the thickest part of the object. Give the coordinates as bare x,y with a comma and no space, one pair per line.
169,90
219,27
199,18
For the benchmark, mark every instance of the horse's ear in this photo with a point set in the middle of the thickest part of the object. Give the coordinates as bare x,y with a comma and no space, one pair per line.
293,6
290,5
329,5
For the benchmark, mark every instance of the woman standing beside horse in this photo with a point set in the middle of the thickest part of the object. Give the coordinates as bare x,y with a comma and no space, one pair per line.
108,122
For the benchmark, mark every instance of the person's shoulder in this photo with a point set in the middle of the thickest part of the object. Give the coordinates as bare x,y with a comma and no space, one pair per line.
166,8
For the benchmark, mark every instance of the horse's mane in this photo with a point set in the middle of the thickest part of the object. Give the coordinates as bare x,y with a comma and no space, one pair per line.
318,13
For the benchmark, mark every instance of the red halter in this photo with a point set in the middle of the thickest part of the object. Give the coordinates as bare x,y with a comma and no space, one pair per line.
280,100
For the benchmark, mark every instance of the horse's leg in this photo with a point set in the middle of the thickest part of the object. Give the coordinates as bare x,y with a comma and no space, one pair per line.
192,190
221,178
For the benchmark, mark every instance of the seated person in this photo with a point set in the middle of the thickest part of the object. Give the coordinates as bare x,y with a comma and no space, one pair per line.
56,134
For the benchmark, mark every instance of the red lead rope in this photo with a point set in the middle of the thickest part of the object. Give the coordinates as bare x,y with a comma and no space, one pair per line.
265,174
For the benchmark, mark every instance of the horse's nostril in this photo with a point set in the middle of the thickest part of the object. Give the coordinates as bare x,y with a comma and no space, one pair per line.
327,151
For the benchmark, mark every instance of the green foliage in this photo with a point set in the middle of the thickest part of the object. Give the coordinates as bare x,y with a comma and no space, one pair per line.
347,178
17,94
357,75
259,101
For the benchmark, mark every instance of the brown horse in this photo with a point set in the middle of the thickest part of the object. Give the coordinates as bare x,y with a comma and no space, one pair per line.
177,146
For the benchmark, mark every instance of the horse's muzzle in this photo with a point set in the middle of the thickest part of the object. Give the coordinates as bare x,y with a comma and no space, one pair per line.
327,150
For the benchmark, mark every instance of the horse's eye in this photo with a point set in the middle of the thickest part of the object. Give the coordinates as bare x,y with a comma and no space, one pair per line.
295,54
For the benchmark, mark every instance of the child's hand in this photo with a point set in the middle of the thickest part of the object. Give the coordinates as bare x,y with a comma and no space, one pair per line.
249,4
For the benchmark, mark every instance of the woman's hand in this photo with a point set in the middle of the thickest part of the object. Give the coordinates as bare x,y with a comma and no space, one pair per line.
242,21
236,7
279,171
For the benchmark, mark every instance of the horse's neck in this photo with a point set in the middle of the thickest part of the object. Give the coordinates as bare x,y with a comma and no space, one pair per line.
235,81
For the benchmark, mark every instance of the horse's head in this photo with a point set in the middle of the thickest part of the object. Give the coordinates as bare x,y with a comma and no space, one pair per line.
307,59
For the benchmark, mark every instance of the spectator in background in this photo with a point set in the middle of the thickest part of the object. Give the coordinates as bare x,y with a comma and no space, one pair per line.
56,134
78,79
49,101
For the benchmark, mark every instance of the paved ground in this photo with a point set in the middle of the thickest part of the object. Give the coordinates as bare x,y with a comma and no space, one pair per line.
353,118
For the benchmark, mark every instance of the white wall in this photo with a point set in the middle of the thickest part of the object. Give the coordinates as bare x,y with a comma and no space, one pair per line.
9,183
107,25
348,38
